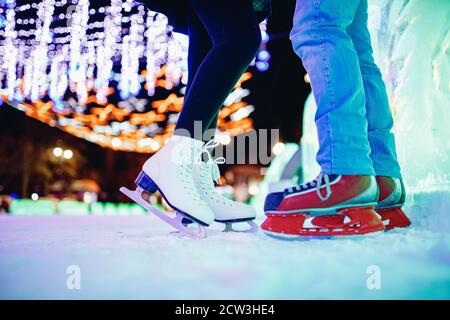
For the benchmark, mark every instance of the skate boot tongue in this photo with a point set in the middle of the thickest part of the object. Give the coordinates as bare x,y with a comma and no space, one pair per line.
322,181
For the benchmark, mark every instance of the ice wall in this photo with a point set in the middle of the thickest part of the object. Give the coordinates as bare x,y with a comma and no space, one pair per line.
411,46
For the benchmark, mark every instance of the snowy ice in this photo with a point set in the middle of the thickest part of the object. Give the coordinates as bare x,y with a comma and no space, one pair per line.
136,258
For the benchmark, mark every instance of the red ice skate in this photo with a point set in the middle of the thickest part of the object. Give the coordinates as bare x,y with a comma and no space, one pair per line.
390,202
331,205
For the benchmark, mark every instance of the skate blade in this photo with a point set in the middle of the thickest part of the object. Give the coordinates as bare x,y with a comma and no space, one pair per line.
253,227
352,223
176,222
393,218
282,236
293,237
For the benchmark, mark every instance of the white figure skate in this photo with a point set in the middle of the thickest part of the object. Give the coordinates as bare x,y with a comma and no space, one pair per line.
170,171
225,210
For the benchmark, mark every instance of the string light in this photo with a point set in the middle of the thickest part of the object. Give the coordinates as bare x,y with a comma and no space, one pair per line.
64,62
86,49
278,148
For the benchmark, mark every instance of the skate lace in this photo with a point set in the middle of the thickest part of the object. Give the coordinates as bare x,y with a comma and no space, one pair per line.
185,171
317,183
211,170
213,163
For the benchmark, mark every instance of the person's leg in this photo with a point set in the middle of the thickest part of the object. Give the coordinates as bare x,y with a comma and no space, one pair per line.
200,50
380,122
233,28
347,185
379,116
320,38
199,46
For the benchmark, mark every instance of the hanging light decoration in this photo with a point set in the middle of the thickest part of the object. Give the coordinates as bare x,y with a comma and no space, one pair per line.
84,44
109,71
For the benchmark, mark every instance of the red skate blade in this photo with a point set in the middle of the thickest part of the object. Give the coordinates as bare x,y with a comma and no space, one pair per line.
394,218
351,221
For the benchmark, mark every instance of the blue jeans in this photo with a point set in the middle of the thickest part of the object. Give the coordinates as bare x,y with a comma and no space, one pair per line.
353,117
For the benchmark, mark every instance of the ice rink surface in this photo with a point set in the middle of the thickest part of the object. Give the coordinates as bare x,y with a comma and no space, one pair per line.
136,257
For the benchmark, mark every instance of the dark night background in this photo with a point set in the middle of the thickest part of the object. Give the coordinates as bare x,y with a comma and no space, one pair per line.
278,95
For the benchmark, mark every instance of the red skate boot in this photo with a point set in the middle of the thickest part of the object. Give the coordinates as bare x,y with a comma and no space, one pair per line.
331,205
390,202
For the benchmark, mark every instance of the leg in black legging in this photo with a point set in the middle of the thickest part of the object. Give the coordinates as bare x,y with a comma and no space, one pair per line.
233,27
199,46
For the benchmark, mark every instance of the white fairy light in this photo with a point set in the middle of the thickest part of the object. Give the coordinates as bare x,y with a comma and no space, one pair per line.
136,52
40,54
151,62
235,96
176,54
48,50
105,53
77,67
10,57
116,142
81,80
124,84
157,49
242,113
53,92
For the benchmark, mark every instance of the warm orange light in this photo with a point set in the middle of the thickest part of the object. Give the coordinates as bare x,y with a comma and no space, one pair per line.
172,103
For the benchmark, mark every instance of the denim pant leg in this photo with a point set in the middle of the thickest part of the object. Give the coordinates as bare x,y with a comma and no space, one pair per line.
320,38
379,116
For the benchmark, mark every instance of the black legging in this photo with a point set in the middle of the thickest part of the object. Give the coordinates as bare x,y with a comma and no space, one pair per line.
224,37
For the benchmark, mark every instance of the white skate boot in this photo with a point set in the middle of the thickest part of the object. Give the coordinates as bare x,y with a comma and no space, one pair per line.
170,171
225,210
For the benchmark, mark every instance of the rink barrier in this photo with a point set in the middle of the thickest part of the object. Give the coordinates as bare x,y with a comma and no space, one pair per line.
27,207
